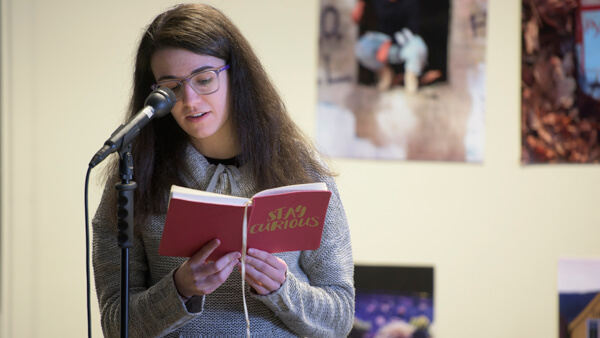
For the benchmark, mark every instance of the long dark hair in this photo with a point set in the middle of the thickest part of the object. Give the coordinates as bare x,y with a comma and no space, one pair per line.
269,140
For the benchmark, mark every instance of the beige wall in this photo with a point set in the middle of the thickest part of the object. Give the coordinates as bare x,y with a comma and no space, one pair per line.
493,231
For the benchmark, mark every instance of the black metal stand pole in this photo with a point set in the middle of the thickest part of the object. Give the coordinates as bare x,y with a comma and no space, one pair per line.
125,226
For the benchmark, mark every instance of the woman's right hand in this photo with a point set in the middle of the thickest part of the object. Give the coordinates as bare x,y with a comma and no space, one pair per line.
197,277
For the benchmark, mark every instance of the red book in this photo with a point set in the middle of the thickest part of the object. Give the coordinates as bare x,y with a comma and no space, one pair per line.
288,218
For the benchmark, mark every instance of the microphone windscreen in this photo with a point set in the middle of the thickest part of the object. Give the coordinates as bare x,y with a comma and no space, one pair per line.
162,100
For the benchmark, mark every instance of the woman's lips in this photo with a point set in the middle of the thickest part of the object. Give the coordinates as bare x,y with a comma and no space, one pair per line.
197,115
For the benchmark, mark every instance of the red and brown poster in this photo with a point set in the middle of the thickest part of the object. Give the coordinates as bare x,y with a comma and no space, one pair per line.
560,81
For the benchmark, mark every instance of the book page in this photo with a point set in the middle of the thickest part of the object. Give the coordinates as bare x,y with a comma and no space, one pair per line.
320,186
204,196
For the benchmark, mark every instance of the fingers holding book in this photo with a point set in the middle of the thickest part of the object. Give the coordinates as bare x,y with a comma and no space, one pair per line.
264,272
197,276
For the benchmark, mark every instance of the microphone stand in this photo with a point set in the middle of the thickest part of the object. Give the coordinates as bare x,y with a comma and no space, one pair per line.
125,226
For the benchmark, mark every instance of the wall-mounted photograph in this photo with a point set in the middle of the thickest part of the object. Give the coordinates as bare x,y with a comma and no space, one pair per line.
560,81
579,298
393,301
402,79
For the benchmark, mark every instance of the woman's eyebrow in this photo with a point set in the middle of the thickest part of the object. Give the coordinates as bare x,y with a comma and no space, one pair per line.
171,77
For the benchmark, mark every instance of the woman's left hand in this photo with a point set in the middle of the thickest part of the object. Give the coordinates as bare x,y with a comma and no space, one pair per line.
264,272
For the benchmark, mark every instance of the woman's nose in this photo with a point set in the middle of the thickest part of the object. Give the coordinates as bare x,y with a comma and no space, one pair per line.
189,95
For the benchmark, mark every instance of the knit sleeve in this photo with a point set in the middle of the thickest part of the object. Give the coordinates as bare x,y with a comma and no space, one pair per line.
321,305
154,310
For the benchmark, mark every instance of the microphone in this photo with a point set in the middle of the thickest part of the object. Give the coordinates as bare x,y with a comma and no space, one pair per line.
159,103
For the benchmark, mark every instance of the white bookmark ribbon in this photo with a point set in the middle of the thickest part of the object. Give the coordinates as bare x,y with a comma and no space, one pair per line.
244,249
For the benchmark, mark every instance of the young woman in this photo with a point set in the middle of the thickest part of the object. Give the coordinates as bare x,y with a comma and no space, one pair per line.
229,133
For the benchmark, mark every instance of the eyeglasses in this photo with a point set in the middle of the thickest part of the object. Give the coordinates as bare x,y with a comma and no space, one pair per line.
203,83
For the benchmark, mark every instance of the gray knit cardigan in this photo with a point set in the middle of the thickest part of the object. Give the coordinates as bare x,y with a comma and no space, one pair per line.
316,300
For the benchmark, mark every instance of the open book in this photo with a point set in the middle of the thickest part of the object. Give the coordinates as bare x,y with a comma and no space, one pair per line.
288,218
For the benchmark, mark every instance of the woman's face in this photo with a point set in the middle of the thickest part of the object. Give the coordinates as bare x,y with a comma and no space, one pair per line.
205,118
